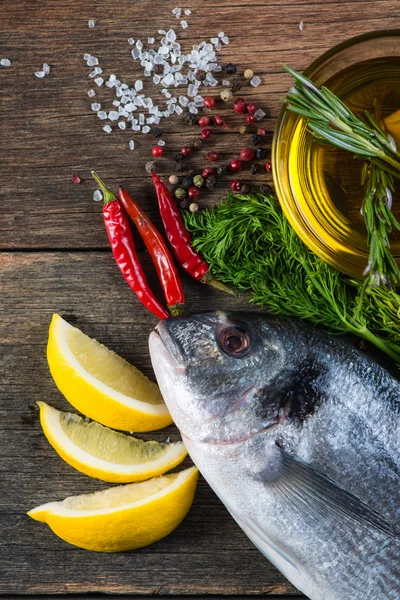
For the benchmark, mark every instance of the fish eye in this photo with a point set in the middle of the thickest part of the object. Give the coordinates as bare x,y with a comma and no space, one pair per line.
234,341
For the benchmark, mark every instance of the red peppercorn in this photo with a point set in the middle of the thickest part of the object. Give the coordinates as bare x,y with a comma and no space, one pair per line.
193,192
186,150
247,154
205,134
208,102
207,172
204,121
235,165
250,119
261,132
157,151
212,156
268,166
251,108
239,106
76,179
236,185
220,122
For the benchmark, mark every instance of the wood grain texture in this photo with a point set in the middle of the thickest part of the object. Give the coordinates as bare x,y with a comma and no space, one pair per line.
48,131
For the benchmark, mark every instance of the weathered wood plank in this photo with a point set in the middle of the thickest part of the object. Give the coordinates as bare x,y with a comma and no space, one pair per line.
51,132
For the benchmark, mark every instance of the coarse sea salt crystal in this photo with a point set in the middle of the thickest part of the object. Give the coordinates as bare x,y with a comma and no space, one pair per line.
116,102
135,53
150,40
161,142
113,115
141,119
221,34
99,81
92,61
91,93
184,24
131,145
122,125
145,129
46,68
178,110
226,83
97,196
138,85
301,25
107,129
156,79
136,128
255,82
259,114
102,115
91,23
96,106
188,12
39,74
86,56
162,31
131,41
225,39
171,35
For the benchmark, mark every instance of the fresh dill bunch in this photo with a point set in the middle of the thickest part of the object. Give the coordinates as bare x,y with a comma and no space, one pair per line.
248,243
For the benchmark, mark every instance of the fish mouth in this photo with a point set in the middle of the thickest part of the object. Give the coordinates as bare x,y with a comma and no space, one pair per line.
167,344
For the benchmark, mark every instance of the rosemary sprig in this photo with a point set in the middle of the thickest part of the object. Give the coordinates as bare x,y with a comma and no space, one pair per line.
249,244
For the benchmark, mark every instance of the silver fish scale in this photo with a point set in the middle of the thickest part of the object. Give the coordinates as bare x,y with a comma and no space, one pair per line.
244,420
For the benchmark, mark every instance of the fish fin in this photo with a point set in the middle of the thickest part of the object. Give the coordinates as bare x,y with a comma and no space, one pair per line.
307,489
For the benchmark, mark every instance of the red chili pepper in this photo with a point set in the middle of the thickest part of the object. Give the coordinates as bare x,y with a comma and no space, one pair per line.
123,249
158,250
180,239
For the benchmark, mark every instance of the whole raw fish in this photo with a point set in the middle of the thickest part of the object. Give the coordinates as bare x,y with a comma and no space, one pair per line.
298,434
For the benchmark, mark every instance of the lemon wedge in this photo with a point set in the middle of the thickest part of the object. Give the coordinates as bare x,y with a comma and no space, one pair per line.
101,384
124,517
106,454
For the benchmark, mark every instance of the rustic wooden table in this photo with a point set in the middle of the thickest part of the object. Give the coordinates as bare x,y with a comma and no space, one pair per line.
55,258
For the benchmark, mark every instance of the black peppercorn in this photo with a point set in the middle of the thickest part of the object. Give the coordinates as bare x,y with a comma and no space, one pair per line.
260,153
157,131
256,139
201,75
197,144
184,204
187,181
222,170
192,172
178,158
245,189
265,189
180,166
158,69
255,168
236,84
230,68
211,182
191,119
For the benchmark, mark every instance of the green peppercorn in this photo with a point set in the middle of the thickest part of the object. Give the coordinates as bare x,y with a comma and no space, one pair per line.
187,181
173,179
230,68
201,75
180,193
265,189
260,153
243,129
211,182
150,166
222,170
198,181
226,95
255,168
256,139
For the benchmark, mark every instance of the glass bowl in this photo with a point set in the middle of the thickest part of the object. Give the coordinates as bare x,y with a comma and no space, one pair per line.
318,186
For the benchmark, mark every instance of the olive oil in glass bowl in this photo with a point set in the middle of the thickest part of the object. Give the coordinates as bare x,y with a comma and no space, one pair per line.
319,186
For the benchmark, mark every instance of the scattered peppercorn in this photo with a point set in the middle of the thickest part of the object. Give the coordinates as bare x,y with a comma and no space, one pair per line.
76,179
239,106
230,69
219,121
173,179
250,119
184,204
197,144
226,95
149,166
268,166
204,121
243,129
236,185
178,157
256,139
198,181
157,132
180,193
193,207
187,181
265,189
193,192
192,172
235,165
212,156
222,170
247,154
236,85
208,102
205,134
245,189
157,151
207,172
190,119
186,151
180,166
255,168
248,74
261,153
211,182
159,69
251,108
201,75
261,132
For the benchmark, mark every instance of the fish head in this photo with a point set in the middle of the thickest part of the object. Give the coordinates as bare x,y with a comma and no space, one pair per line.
224,376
